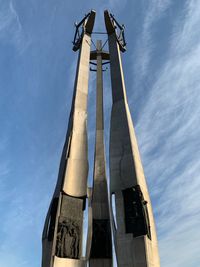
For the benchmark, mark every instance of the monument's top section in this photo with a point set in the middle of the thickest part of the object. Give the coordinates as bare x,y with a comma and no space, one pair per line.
110,26
90,22
113,27
84,26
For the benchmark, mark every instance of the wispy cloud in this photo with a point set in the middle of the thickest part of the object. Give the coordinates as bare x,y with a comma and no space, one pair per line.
11,30
21,221
168,129
4,165
116,5
153,11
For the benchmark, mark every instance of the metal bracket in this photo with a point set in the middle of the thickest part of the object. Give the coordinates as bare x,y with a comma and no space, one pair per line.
113,26
92,63
84,26
96,69
92,69
107,62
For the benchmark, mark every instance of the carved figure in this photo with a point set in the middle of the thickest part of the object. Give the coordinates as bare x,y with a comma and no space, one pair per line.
67,245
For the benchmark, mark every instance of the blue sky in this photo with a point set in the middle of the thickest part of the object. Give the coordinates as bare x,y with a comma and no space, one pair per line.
162,74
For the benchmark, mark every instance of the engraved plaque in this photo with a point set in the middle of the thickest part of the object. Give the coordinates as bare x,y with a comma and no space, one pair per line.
69,233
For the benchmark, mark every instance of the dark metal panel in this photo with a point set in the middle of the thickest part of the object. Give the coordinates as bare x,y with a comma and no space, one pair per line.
136,212
101,239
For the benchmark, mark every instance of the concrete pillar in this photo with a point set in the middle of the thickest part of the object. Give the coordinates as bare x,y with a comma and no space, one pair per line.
62,235
136,239
101,248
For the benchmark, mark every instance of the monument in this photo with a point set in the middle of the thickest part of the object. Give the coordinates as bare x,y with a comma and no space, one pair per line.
130,233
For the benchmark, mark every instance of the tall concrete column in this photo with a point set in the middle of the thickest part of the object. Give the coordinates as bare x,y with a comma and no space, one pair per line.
62,235
135,233
101,248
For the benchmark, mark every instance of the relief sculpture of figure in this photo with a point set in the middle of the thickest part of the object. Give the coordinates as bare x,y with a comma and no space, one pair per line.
74,243
61,237
67,240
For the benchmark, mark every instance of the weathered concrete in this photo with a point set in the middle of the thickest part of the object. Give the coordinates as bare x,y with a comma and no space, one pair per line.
126,172
101,249
134,232
61,262
62,235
